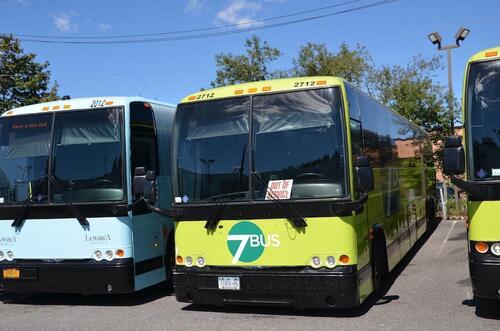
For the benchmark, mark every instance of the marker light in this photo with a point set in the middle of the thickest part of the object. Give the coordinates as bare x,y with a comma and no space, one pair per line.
495,249
344,259
330,261
201,261
189,261
109,255
490,54
481,247
316,261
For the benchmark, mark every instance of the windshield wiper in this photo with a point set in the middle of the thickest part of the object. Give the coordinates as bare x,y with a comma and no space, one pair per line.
22,214
298,221
216,214
81,219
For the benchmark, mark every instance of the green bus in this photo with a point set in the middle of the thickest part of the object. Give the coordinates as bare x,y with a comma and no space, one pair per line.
300,192
478,158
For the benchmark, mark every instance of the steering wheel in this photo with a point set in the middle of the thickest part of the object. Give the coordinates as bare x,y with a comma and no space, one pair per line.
311,175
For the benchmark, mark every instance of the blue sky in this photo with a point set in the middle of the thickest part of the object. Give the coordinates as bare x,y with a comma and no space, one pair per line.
171,70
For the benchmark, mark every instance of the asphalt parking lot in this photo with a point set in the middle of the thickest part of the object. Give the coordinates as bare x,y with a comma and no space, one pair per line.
430,289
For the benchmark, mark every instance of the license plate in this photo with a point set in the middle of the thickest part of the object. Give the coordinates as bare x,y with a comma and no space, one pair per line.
229,283
11,273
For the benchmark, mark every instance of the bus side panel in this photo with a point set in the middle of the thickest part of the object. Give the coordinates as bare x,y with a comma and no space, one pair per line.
150,229
395,148
355,145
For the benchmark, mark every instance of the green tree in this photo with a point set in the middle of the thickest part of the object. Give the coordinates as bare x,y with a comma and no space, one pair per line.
250,67
23,81
316,60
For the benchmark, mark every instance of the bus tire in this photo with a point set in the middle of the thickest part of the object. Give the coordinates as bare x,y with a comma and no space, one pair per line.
380,263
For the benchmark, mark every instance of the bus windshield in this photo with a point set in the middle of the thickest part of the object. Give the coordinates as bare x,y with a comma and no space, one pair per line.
294,136
483,109
83,149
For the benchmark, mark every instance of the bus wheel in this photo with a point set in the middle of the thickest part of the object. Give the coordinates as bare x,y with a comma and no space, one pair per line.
379,253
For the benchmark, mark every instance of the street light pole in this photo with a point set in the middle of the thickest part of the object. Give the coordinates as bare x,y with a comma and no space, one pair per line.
450,88
435,38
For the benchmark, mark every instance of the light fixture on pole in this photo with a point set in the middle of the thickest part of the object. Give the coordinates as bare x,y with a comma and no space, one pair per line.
436,39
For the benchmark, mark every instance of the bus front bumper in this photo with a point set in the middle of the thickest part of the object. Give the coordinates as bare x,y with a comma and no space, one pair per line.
69,276
299,288
485,275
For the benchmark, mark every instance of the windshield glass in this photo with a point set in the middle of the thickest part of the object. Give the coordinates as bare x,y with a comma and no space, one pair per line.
85,153
296,136
483,109
210,142
24,155
299,137
87,157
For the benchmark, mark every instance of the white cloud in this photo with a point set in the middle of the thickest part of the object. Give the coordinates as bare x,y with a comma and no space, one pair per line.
105,27
195,6
63,22
239,12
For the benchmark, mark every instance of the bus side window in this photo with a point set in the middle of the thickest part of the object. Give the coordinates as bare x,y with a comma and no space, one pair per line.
143,144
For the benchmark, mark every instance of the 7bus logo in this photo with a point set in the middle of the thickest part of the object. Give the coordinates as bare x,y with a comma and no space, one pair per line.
246,242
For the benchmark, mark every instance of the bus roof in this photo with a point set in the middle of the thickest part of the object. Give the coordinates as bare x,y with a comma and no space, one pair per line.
265,86
79,103
490,53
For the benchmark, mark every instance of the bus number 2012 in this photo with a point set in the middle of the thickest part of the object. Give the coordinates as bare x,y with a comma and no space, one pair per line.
97,103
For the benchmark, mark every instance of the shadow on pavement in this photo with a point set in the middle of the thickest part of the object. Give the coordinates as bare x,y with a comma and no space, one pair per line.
377,298
489,309
133,299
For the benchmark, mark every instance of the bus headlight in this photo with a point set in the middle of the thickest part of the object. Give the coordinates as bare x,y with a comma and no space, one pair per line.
330,261
98,255
2,255
109,255
315,261
189,261
495,249
10,256
200,261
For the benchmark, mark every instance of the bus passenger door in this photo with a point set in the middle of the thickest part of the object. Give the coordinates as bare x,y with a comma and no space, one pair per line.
147,231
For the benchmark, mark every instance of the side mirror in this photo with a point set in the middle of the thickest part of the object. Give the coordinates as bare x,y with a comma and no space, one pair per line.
150,187
139,181
364,174
454,156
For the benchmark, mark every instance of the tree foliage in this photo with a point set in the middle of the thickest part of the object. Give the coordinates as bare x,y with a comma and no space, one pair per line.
23,81
316,60
250,67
